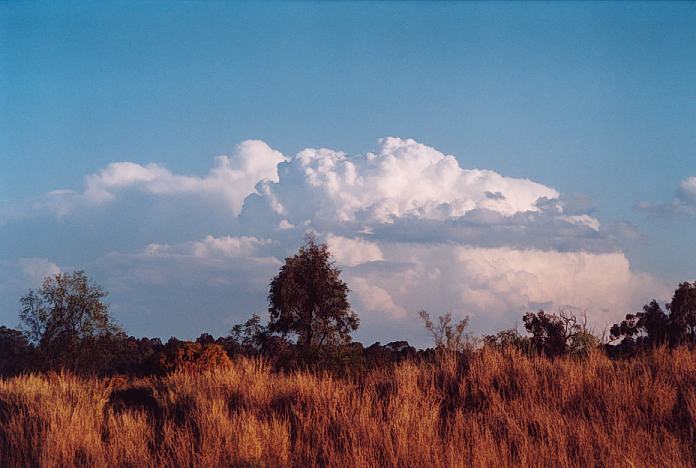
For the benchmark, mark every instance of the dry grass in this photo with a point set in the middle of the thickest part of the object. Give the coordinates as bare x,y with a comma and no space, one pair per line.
500,409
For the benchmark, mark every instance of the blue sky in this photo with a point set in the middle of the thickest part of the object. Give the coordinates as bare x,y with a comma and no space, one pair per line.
594,100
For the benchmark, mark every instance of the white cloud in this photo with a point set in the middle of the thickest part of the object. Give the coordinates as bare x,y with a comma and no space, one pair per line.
402,179
36,269
408,225
583,220
211,247
374,300
496,285
687,190
353,252
229,182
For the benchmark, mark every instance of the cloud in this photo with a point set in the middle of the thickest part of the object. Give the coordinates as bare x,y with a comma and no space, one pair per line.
16,278
687,191
683,203
408,225
229,182
353,252
401,179
374,300
209,259
389,282
414,193
188,288
495,286
211,247
36,269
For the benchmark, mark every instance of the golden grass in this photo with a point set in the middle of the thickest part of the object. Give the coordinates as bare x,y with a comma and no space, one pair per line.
499,409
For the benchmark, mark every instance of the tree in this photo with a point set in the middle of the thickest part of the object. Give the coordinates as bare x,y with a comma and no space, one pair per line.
447,335
67,318
509,338
644,329
249,336
682,313
655,327
555,335
308,298
15,352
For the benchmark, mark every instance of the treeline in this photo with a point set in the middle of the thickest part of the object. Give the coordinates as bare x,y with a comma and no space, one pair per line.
66,325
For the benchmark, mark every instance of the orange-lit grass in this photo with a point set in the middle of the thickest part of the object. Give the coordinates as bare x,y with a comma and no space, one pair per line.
499,409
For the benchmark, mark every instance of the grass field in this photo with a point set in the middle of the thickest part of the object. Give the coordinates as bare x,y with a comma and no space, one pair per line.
499,408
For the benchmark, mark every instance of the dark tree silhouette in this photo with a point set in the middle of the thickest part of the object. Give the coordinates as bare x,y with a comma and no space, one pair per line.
648,328
555,335
509,338
67,319
308,298
682,313
15,352
654,327
548,333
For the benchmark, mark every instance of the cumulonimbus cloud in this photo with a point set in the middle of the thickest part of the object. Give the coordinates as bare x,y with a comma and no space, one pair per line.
495,286
403,178
410,227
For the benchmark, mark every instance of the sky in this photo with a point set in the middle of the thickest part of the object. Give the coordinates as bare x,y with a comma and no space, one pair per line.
480,158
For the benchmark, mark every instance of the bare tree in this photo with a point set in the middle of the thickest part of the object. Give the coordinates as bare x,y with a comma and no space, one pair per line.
448,335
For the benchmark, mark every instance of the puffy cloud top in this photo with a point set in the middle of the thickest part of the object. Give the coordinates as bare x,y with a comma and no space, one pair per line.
409,226
230,180
403,178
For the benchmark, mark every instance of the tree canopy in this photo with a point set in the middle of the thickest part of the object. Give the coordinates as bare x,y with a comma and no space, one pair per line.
654,326
308,298
66,315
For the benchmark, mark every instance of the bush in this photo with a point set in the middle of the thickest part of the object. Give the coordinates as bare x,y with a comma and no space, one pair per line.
187,356
16,353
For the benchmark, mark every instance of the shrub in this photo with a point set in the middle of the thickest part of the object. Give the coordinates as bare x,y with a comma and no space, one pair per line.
187,356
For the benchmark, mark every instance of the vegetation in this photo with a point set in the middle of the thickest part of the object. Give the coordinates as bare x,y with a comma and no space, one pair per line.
654,327
297,391
68,320
556,335
499,408
308,298
448,336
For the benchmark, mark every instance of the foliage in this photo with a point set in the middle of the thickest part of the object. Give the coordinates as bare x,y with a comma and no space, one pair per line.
555,335
250,336
654,327
510,338
67,318
16,352
650,327
66,325
448,335
189,356
308,298
682,314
